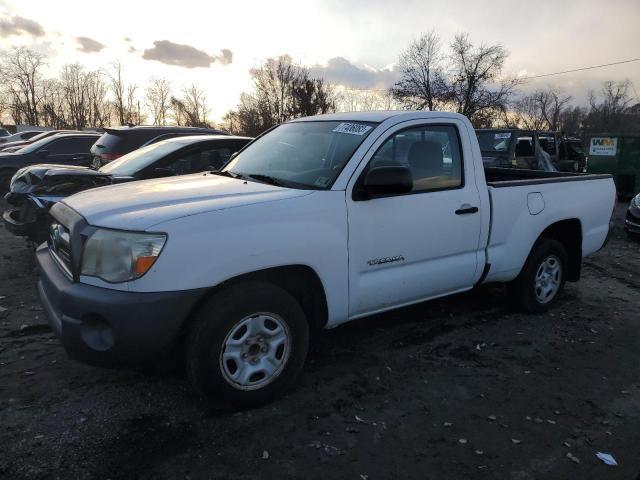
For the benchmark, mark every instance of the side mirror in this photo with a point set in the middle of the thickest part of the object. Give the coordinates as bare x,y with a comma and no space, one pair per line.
160,173
43,154
387,180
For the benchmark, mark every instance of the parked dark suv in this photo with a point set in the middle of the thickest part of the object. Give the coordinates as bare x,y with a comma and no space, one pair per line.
118,141
64,149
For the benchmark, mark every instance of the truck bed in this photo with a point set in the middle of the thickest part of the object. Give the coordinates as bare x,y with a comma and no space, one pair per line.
533,201
511,177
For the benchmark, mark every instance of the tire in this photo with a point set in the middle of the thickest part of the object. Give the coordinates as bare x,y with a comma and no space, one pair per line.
248,327
542,278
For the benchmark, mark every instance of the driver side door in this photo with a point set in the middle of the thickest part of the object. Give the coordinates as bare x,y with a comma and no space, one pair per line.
410,247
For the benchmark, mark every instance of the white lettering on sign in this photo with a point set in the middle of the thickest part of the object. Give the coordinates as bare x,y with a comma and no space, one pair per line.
605,146
352,128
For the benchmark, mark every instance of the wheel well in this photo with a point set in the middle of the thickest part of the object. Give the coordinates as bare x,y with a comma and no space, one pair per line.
569,233
7,170
300,281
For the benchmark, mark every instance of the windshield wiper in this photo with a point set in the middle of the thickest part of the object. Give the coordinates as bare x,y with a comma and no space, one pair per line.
226,173
268,179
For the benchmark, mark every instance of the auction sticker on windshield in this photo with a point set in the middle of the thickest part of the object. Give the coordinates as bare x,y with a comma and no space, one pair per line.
502,135
352,128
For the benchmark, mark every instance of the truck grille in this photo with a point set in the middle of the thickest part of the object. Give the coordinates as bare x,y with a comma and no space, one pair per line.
60,246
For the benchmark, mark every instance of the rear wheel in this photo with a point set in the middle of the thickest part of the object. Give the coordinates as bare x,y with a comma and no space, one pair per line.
247,345
542,277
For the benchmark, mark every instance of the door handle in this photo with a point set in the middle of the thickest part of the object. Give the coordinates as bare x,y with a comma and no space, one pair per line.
465,209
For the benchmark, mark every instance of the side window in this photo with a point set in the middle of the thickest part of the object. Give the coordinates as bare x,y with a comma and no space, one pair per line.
66,146
432,153
86,143
214,158
57,147
200,160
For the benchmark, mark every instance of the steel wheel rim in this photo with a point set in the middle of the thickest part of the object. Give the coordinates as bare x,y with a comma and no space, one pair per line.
255,351
548,279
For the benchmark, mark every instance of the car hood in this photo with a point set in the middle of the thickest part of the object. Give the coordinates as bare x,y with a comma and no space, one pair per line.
141,205
49,179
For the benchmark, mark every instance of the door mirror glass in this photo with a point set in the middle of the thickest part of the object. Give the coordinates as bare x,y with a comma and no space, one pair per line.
386,180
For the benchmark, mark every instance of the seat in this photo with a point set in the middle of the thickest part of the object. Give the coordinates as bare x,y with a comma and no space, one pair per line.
524,148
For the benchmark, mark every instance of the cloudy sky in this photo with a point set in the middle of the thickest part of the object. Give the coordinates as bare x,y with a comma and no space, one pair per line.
349,42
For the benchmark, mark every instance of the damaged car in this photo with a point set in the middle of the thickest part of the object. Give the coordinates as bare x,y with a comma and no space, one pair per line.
63,149
34,189
632,220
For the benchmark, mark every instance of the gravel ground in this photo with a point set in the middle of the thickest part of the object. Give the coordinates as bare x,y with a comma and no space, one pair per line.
457,388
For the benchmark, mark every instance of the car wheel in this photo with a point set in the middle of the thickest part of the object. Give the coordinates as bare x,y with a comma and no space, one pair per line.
542,278
247,345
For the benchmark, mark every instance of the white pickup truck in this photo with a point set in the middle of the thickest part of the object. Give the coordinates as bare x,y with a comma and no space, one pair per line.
319,221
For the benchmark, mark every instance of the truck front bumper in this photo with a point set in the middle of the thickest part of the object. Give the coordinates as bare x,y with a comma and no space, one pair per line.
107,327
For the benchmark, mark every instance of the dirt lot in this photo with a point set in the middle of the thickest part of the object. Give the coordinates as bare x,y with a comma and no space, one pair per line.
458,388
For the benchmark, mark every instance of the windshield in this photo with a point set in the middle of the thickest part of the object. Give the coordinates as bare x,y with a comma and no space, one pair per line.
37,145
302,154
133,162
40,136
494,141
576,147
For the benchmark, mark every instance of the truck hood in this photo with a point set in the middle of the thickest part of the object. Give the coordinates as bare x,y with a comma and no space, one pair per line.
48,179
141,205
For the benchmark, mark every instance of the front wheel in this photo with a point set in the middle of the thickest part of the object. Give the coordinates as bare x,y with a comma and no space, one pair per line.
247,345
542,278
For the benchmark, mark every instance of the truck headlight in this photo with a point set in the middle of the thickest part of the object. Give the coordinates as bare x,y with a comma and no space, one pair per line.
636,201
118,256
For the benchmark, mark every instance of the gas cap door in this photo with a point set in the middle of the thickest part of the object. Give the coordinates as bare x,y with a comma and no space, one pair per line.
535,202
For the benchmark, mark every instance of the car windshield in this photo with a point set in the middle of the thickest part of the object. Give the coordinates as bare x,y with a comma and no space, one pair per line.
133,162
37,145
576,147
301,154
40,136
494,141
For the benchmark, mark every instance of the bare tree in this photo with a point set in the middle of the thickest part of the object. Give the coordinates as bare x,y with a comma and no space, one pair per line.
282,90
608,109
158,99
422,83
311,96
99,107
126,107
541,109
21,77
195,106
352,100
190,110
528,114
478,90
552,103
571,120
